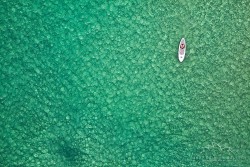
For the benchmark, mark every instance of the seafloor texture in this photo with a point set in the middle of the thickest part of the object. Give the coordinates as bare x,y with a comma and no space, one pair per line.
98,83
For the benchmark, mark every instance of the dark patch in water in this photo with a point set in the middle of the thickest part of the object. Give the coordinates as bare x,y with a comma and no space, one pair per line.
70,151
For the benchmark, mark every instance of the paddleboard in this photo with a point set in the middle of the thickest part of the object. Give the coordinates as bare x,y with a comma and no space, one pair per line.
182,50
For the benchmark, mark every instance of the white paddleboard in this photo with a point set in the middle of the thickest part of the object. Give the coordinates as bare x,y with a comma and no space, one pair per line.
182,50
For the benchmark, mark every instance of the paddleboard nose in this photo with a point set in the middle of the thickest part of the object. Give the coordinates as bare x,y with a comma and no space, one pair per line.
181,58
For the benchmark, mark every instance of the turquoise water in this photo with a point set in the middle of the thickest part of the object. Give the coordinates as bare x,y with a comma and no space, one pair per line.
98,83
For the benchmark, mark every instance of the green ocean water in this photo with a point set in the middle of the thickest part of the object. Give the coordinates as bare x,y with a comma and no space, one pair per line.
98,83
